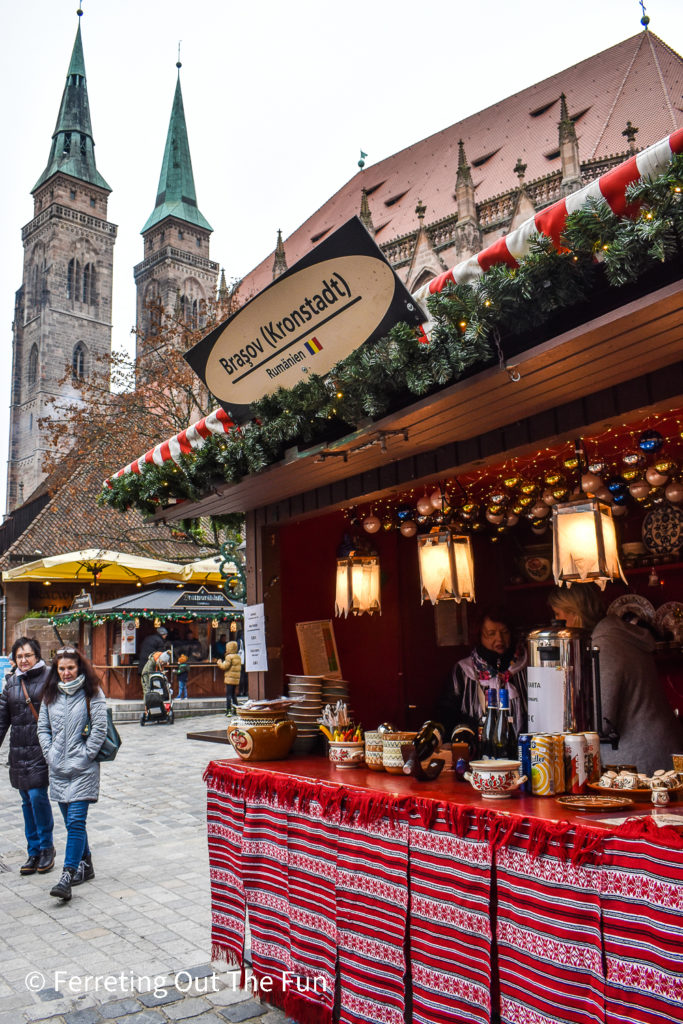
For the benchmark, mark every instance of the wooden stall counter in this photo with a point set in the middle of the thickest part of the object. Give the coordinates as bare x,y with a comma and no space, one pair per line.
376,898
122,682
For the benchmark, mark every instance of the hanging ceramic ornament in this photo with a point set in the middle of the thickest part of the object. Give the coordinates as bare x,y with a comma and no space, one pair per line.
403,513
539,528
528,487
590,482
619,510
387,524
654,477
616,485
548,497
674,492
371,524
424,505
650,441
437,499
511,519
408,528
598,467
494,517
553,479
571,463
469,510
604,494
633,459
639,489
665,466
511,482
540,509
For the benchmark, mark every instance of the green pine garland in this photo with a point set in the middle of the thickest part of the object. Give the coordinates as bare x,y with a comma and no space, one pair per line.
391,372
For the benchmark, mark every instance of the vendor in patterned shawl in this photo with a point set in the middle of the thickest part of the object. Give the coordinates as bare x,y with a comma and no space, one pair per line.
496,661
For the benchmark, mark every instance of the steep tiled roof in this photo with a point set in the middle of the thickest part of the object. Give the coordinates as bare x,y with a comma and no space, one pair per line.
72,520
639,80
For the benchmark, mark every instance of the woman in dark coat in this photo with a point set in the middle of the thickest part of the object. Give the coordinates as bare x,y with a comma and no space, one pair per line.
72,727
27,768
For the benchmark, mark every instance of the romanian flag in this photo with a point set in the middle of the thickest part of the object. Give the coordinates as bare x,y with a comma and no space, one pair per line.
313,346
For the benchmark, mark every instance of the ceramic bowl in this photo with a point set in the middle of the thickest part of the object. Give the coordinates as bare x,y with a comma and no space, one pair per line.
346,754
495,779
392,758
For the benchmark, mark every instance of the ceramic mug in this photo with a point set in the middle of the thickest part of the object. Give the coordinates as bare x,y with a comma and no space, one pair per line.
373,751
347,754
660,796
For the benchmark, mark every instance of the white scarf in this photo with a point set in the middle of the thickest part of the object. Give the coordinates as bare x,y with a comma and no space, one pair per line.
69,689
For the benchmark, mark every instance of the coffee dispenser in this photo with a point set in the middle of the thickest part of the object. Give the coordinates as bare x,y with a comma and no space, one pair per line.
563,681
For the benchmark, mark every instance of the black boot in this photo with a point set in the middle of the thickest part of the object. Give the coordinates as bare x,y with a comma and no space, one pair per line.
46,861
84,872
31,865
63,887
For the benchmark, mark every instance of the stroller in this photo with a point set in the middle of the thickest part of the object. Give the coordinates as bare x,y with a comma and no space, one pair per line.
158,702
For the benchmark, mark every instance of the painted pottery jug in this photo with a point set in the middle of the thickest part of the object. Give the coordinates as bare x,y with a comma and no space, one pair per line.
262,735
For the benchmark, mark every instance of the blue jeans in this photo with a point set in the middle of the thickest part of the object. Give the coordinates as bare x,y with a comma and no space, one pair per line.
77,848
38,820
182,687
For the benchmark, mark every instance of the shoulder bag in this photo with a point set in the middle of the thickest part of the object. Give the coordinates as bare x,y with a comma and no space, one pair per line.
112,740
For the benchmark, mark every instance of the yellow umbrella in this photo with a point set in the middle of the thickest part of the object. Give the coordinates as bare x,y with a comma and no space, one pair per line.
205,570
101,565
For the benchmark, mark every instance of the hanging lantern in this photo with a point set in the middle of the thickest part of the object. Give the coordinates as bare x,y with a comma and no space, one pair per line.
424,505
357,585
371,523
408,528
584,543
446,566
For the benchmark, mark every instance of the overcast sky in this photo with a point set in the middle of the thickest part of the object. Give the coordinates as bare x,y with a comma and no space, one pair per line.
279,99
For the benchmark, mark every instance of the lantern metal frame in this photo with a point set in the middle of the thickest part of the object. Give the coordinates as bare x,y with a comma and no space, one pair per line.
599,565
455,551
349,596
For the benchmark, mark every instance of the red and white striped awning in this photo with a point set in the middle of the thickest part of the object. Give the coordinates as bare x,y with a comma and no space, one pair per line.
509,249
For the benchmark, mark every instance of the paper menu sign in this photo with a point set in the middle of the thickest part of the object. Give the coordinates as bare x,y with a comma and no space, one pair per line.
256,656
546,690
318,647
128,636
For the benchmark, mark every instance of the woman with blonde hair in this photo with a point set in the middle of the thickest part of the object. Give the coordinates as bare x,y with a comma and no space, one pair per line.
633,700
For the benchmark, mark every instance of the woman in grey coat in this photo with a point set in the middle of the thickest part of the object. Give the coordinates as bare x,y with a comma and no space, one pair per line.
71,728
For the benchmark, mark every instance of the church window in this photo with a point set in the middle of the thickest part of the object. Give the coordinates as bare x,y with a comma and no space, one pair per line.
83,145
33,366
72,193
74,280
89,296
67,144
92,201
199,242
181,234
78,362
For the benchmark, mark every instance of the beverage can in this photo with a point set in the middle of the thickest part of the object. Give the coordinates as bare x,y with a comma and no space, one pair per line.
524,757
558,762
593,769
575,747
542,770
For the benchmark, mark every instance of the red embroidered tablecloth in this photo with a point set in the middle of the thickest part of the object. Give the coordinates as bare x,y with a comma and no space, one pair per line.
434,911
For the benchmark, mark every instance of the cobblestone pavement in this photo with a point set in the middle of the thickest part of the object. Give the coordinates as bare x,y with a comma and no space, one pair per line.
133,945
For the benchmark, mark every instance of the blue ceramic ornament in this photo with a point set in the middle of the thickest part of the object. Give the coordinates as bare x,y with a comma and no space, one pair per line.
616,485
650,441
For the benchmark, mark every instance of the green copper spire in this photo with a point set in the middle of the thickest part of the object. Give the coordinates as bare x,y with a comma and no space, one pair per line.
176,196
72,151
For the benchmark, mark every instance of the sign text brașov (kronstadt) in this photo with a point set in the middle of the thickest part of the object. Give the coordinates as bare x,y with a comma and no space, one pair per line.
333,300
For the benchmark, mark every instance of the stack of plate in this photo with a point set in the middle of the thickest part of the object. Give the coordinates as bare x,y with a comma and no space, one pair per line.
335,690
306,711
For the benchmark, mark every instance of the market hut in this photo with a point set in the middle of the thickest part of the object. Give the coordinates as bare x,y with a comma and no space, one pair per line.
540,912
195,619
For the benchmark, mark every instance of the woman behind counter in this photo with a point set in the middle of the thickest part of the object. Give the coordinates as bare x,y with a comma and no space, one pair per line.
72,697
632,696
495,661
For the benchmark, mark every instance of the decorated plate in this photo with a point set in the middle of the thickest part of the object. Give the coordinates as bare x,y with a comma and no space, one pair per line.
635,604
663,529
593,802
640,795
669,619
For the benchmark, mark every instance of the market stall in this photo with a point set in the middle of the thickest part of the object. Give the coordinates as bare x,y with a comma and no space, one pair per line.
405,902
196,621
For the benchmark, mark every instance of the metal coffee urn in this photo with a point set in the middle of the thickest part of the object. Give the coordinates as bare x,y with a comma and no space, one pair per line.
563,678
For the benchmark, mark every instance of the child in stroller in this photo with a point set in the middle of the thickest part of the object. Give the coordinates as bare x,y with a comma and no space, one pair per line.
158,701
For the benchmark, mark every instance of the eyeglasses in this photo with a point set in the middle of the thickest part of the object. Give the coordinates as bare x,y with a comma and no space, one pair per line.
66,650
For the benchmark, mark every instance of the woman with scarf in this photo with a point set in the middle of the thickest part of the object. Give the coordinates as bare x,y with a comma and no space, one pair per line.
19,706
494,662
72,727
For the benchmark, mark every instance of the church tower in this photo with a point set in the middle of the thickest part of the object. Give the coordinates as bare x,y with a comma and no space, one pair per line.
176,272
62,317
